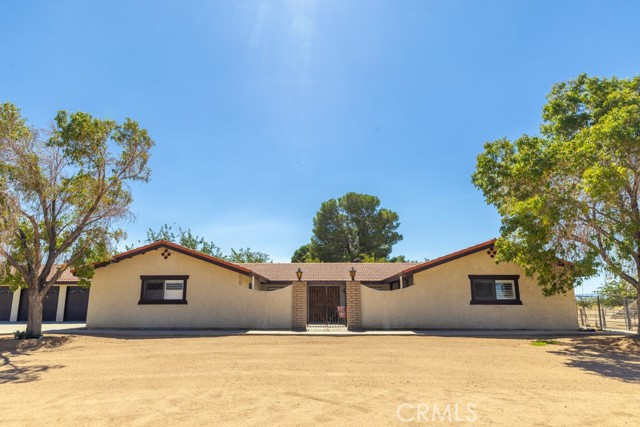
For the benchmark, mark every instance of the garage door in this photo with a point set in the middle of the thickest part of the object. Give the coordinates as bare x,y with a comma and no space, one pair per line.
76,304
6,299
49,307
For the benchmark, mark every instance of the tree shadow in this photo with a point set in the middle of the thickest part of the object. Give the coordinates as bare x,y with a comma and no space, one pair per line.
613,357
12,371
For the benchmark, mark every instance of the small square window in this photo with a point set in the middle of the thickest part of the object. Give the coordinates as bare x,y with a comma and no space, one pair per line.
163,290
495,290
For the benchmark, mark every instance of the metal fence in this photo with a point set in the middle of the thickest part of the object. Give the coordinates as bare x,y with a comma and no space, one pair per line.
593,313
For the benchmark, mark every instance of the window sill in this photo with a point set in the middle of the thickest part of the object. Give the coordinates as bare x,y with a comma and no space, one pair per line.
496,302
162,302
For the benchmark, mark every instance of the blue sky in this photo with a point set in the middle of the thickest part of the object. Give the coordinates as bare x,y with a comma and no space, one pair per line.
262,109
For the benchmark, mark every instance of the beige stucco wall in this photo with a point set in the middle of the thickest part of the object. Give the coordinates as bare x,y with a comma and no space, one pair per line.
216,297
440,298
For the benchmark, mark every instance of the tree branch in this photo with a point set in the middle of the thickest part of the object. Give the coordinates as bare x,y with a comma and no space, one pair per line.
14,263
61,269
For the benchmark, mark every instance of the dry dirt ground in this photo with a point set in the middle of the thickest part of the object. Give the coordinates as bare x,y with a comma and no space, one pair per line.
295,380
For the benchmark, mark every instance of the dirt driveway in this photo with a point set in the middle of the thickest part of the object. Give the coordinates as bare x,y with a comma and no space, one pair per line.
289,380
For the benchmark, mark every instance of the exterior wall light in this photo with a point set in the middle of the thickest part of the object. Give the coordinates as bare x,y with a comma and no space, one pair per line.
299,274
352,273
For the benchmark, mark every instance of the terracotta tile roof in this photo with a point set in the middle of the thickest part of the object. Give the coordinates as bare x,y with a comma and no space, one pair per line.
175,247
450,257
312,272
329,271
66,277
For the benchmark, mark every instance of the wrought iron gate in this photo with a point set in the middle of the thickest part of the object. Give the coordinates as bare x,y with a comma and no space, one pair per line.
324,306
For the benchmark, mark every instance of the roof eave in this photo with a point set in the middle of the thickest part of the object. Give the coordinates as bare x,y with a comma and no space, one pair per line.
446,258
180,249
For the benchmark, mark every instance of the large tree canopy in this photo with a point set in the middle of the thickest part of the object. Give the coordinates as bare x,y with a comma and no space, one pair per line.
351,227
569,198
63,197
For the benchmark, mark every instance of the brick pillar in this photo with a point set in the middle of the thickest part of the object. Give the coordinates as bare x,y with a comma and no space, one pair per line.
354,306
299,306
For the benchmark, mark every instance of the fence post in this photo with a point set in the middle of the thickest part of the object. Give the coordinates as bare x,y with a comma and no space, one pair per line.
627,313
354,305
600,315
626,319
299,306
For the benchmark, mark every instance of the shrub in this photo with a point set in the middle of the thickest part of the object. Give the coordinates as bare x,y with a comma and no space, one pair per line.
22,335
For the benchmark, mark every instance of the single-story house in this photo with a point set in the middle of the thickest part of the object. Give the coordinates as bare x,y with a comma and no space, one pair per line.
65,301
165,285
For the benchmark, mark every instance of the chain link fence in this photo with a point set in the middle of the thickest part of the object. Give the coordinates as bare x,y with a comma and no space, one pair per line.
593,313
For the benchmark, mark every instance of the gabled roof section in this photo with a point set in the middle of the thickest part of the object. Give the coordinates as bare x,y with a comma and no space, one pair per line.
447,258
66,278
178,248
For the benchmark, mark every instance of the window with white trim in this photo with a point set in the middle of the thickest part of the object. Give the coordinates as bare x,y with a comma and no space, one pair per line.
163,290
495,290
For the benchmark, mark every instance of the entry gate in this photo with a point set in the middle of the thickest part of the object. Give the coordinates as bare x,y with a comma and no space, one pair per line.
324,306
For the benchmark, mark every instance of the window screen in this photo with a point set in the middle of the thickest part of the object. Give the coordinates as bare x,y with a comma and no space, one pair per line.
154,290
483,290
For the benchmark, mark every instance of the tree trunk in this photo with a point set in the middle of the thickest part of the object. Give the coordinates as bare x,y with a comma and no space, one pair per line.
638,307
34,318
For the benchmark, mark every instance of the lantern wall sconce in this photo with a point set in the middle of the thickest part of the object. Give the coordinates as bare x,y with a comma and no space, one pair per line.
352,273
299,274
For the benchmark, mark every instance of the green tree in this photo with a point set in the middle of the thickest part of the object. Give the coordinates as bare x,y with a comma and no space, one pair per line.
187,239
352,227
402,258
615,291
569,198
304,254
184,238
247,255
62,197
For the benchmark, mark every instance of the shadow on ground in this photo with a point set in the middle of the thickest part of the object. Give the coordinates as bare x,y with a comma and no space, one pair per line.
613,357
14,358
